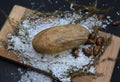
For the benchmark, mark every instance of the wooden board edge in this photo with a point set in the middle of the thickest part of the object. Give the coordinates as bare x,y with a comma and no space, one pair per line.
11,22
110,52
9,27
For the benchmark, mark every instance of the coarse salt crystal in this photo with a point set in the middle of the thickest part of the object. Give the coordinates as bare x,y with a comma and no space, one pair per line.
92,69
31,76
71,6
118,13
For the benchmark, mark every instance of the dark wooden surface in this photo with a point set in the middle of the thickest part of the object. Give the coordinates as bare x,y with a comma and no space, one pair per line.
9,71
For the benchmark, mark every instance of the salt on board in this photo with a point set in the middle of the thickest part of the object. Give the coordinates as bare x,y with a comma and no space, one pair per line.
31,76
59,64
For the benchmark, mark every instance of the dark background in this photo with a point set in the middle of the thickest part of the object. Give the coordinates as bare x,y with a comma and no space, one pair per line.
9,71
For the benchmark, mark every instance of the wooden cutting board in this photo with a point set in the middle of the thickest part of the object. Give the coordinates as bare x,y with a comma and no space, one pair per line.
18,13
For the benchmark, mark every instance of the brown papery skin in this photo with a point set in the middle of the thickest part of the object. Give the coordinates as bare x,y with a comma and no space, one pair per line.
60,38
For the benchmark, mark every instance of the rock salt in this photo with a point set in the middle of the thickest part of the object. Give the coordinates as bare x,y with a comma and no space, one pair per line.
31,76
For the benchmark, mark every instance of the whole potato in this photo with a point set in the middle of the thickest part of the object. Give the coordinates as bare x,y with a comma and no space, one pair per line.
60,38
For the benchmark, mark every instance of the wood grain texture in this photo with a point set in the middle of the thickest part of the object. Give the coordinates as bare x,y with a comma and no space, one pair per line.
15,16
106,67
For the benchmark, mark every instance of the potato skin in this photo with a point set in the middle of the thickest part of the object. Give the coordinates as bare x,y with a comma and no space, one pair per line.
60,38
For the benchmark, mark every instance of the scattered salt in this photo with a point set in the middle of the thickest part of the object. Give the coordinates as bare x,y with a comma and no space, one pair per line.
59,64
108,17
32,4
56,2
118,67
12,73
20,71
118,13
71,6
31,76
92,70
49,0
104,26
